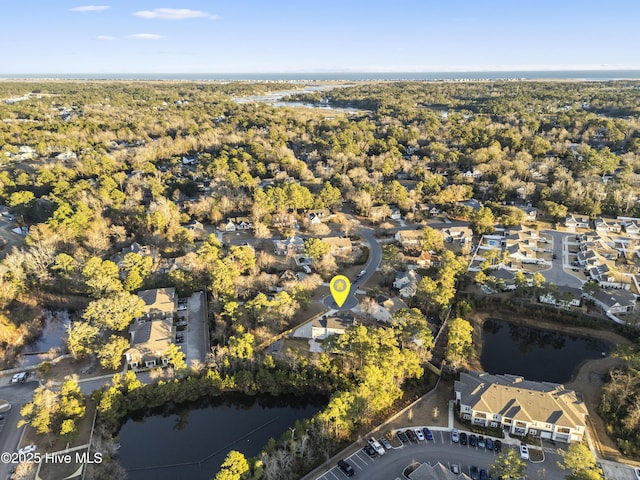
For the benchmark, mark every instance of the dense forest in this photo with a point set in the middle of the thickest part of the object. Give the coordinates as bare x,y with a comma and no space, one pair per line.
88,168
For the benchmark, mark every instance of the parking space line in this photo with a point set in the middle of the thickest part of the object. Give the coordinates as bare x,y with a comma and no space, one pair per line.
357,456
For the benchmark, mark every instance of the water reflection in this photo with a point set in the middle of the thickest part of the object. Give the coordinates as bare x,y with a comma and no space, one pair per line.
191,441
51,343
535,353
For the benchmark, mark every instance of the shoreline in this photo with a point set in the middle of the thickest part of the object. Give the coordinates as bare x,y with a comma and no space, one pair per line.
587,379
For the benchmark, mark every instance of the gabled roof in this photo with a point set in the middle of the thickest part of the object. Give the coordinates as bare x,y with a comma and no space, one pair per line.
159,300
514,397
612,298
338,242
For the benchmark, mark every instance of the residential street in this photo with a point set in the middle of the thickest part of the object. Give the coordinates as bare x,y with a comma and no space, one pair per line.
556,273
17,394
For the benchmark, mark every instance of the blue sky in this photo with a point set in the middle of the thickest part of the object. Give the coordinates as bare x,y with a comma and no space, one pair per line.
240,36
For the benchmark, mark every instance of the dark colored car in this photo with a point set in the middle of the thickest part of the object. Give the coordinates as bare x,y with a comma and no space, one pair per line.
497,446
489,444
473,440
402,436
474,473
463,438
369,450
427,433
412,435
483,475
346,468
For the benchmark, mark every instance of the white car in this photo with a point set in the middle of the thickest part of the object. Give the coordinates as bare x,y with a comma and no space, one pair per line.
455,435
182,308
419,434
524,452
376,446
637,470
19,377
28,449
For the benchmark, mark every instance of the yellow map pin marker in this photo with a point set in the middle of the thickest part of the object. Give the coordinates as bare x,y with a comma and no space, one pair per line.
339,286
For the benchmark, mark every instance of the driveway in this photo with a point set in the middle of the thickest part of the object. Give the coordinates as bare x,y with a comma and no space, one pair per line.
195,341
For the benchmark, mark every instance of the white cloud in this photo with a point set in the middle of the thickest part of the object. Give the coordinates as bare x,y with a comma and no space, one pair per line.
174,14
90,8
146,36
105,38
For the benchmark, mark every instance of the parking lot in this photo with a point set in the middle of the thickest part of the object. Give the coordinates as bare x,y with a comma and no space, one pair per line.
191,328
441,449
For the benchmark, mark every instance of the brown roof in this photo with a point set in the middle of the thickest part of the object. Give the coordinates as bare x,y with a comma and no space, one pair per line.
514,397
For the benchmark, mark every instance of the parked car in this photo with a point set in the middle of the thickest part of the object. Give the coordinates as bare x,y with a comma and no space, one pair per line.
19,377
402,436
480,441
427,433
489,444
28,449
455,468
524,452
347,469
419,434
412,435
463,438
637,470
369,450
376,446
385,443
483,474
497,446
455,435
473,440
182,308
474,473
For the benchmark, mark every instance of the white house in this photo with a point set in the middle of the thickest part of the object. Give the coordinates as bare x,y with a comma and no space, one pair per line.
614,301
521,407
407,283
562,296
321,327
572,222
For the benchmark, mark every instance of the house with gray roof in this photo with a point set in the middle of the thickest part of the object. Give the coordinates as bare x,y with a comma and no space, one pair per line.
322,326
521,407
289,246
436,472
407,283
614,301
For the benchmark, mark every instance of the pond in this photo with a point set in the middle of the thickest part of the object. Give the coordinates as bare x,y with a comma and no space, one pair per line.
536,354
192,441
51,343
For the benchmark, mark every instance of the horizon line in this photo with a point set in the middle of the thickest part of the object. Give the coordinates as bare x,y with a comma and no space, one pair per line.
344,71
